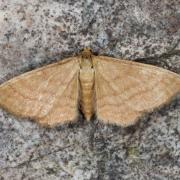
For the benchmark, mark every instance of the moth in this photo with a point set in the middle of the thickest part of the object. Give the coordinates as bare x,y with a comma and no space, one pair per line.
116,91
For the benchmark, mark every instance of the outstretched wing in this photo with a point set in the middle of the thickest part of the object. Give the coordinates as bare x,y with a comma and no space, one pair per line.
48,95
125,90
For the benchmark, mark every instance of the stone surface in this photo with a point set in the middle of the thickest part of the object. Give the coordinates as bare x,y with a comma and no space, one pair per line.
34,33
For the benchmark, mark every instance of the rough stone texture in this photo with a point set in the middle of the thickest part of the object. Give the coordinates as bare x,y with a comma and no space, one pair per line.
36,32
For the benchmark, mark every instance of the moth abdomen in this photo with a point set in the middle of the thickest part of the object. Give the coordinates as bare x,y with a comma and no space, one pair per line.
87,92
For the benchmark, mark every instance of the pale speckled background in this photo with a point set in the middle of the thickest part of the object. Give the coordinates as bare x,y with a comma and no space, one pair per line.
38,32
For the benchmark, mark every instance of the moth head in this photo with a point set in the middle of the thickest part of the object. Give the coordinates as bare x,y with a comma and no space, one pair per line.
86,53
86,58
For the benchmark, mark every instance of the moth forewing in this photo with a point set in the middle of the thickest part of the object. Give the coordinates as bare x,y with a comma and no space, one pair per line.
125,90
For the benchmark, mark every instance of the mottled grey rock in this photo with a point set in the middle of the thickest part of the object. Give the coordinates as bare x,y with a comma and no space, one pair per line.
34,33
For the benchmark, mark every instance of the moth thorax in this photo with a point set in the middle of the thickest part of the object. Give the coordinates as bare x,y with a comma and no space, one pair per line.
87,92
